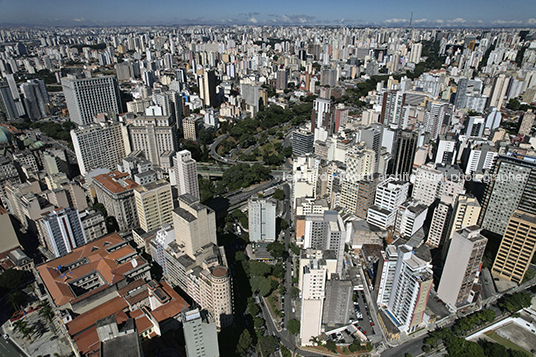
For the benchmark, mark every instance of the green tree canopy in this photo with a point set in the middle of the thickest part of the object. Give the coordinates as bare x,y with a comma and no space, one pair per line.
293,326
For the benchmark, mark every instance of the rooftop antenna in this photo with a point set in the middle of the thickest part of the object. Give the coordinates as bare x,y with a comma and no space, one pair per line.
410,20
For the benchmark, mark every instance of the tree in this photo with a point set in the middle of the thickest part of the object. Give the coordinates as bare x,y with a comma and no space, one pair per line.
279,194
331,346
16,299
259,268
287,151
253,309
267,345
294,291
513,104
284,224
240,256
515,302
276,249
258,322
293,326
12,278
244,342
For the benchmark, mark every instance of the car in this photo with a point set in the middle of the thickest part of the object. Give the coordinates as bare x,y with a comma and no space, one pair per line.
359,327
365,332
6,336
371,324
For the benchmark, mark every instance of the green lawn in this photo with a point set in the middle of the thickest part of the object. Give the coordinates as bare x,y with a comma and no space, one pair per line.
505,342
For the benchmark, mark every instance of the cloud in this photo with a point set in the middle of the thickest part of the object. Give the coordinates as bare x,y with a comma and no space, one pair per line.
253,20
79,20
459,20
503,22
439,21
395,21
420,21
531,21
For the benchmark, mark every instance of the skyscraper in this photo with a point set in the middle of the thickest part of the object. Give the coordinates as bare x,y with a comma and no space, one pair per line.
35,98
62,231
207,88
88,97
463,262
404,153
517,247
200,335
262,215
185,172
101,145
154,204
302,142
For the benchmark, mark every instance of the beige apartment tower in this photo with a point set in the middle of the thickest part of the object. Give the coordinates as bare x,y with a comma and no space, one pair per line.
517,247
154,204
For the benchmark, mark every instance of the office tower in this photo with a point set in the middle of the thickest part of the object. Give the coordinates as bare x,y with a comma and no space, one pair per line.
410,217
359,166
313,277
185,174
8,110
410,290
321,114
99,145
61,230
526,123
338,303
478,158
427,181
88,97
171,104
390,194
35,98
435,117
475,126
404,153
517,247
262,216
511,187
302,142
326,231
200,334
115,191
439,224
446,150
372,137
461,93
154,204
207,88
465,213
328,77
366,191
415,54
392,103
463,263
341,118
250,94
499,91
195,224
156,136
190,127
281,79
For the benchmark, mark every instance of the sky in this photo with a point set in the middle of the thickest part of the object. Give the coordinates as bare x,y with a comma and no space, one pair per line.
429,13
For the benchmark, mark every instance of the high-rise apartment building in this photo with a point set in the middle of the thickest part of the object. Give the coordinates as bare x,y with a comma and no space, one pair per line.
88,97
302,142
62,231
115,191
410,290
200,334
465,213
321,114
499,91
415,54
410,217
8,109
156,136
190,127
390,194
154,204
262,218
195,224
512,186
404,150
207,88
526,123
185,174
517,247
463,263
312,293
99,145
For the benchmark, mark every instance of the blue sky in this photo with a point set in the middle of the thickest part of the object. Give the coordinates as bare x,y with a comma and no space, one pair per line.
432,13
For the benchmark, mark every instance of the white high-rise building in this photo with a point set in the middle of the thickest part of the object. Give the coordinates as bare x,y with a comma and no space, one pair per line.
262,216
313,291
411,287
184,174
200,335
427,181
88,97
390,194
62,231
101,145
462,266
415,54
410,217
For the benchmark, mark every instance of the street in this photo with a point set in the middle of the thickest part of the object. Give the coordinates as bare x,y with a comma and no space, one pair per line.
8,349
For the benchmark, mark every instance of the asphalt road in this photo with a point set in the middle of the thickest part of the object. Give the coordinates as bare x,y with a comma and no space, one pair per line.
8,349
413,347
